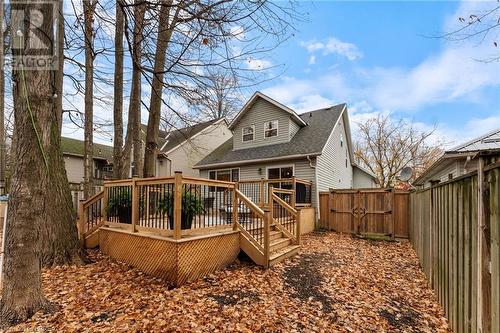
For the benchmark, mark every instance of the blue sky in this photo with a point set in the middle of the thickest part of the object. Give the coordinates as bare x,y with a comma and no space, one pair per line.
380,57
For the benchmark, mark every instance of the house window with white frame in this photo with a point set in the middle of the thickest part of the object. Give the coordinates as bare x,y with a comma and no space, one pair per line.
280,172
248,133
271,129
227,175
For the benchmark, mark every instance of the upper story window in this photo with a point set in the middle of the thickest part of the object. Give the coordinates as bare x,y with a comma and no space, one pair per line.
271,129
341,140
248,133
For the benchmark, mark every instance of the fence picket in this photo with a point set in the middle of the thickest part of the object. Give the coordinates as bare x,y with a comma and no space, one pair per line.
444,232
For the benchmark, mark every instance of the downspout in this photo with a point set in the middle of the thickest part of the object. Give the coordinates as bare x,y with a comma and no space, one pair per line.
316,194
310,162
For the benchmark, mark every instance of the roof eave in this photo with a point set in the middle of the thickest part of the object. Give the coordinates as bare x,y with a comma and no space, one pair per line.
253,161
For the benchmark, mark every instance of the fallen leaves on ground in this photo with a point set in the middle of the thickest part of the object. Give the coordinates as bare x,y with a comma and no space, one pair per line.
337,283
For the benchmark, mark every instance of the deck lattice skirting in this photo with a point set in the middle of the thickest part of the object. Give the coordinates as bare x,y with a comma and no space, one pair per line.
178,261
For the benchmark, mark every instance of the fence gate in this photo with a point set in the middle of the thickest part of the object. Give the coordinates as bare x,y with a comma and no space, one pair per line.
370,211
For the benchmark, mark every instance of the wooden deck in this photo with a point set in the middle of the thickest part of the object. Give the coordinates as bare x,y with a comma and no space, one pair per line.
181,228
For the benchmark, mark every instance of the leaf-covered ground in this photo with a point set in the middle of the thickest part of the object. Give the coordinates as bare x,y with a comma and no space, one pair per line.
337,283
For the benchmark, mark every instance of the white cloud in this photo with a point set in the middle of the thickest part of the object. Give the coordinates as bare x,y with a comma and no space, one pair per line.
333,46
257,64
448,76
312,60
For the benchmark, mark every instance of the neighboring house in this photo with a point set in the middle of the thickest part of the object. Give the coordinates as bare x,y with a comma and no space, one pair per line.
272,141
181,149
73,159
461,160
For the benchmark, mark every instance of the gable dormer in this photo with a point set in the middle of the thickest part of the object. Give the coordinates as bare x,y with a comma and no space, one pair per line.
262,121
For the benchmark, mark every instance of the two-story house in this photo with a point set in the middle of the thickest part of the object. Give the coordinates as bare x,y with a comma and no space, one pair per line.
271,141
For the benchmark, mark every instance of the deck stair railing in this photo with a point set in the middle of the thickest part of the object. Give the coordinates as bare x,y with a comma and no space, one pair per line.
182,206
91,215
284,216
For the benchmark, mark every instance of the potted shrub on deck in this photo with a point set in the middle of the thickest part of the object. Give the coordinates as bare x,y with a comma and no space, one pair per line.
191,206
120,204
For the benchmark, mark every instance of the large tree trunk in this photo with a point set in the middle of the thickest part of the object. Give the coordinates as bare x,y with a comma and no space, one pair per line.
135,95
164,35
60,70
3,148
60,243
118,95
88,156
37,155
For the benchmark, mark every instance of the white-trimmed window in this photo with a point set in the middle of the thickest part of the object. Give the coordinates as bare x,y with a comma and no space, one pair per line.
248,133
270,129
280,172
227,175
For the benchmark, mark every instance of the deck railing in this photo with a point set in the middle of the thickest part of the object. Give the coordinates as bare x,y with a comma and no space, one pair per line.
91,215
182,206
258,190
284,216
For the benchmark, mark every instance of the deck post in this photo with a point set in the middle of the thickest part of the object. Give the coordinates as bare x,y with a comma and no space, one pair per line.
261,192
81,224
135,205
297,222
268,216
235,207
177,204
104,206
293,199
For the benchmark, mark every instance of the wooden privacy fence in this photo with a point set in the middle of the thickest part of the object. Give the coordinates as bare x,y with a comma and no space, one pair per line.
366,211
454,228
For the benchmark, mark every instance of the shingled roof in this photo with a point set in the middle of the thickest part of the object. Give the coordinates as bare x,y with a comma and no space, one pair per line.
309,140
75,147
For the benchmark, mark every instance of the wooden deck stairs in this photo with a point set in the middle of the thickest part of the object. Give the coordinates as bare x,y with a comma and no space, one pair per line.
274,233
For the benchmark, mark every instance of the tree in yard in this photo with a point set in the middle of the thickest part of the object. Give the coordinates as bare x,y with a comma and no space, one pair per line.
88,155
133,139
220,99
118,94
3,144
205,46
385,147
40,208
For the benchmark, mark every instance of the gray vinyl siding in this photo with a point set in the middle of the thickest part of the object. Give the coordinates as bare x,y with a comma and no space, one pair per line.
190,152
74,168
261,112
331,168
362,179
294,128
